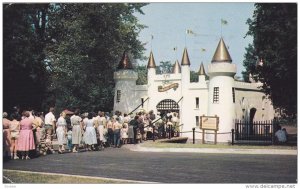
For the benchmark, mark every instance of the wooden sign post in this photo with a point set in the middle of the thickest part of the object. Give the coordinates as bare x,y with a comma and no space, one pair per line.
209,123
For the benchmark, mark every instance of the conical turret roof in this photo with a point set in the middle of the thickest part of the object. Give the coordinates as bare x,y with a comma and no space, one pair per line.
176,68
201,70
125,62
185,58
221,53
151,62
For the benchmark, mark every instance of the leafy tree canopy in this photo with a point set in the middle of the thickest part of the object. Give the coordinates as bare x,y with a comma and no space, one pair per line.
24,71
274,31
65,54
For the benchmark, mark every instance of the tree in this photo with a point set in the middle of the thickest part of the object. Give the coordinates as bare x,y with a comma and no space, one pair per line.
194,76
24,39
88,41
274,31
164,67
142,75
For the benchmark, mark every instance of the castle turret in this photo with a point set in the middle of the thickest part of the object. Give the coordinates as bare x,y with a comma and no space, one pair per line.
201,73
151,84
176,68
185,83
221,91
125,81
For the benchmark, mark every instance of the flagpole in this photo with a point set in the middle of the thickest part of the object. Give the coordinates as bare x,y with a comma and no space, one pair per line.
185,38
221,28
151,42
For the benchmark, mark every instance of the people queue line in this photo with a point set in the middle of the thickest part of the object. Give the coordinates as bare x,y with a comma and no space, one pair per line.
31,131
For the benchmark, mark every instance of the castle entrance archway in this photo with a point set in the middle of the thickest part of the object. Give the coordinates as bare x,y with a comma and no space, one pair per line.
167,105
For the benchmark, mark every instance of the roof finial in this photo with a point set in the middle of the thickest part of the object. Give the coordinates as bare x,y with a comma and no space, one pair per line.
221,53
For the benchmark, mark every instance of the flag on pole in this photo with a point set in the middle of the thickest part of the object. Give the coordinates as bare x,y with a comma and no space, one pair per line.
224,22
189,32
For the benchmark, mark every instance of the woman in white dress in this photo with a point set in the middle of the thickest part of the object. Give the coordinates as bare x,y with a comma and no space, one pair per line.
102,128
90,137
76,123
61,132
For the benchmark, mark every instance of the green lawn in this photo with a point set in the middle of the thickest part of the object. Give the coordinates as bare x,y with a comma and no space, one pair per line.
36,178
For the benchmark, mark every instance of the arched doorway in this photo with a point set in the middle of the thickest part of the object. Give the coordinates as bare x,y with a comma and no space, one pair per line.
251,117
167,105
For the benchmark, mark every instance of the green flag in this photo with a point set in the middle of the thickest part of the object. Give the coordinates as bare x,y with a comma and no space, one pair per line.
224,22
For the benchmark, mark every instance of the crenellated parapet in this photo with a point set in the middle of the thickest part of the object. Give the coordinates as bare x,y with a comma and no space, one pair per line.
126,75
225,69
249,86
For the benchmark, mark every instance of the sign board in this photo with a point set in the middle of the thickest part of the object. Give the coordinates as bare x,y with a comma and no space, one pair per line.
209,123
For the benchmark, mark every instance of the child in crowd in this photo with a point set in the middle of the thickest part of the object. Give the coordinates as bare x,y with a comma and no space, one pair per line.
69,139
124,134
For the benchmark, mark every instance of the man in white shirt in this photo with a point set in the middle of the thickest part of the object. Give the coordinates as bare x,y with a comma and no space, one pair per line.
50,124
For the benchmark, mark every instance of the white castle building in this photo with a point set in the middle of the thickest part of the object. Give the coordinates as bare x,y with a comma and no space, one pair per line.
220,95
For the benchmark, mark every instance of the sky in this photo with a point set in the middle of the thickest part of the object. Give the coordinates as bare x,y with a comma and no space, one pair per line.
168,22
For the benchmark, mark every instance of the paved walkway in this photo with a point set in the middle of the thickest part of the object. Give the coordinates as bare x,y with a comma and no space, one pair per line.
165,167
139,148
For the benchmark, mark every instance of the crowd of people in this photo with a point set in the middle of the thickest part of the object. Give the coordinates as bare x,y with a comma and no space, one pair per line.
32,133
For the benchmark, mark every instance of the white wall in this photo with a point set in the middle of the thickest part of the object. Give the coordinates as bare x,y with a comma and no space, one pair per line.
225,109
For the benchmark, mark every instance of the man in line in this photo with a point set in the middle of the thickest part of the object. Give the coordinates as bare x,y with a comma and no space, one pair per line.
50,125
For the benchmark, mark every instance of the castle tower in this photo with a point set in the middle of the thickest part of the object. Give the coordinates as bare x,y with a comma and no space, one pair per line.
151,85
125,81
220,93
185,83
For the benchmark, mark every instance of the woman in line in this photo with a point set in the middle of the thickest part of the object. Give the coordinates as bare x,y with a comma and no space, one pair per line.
102,128
90,137
14,128
76,123
61,131
26,138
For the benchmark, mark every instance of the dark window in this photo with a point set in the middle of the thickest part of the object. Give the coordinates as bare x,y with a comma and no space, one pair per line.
216,95
118,95
142,99
233,95
197,102
197,121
